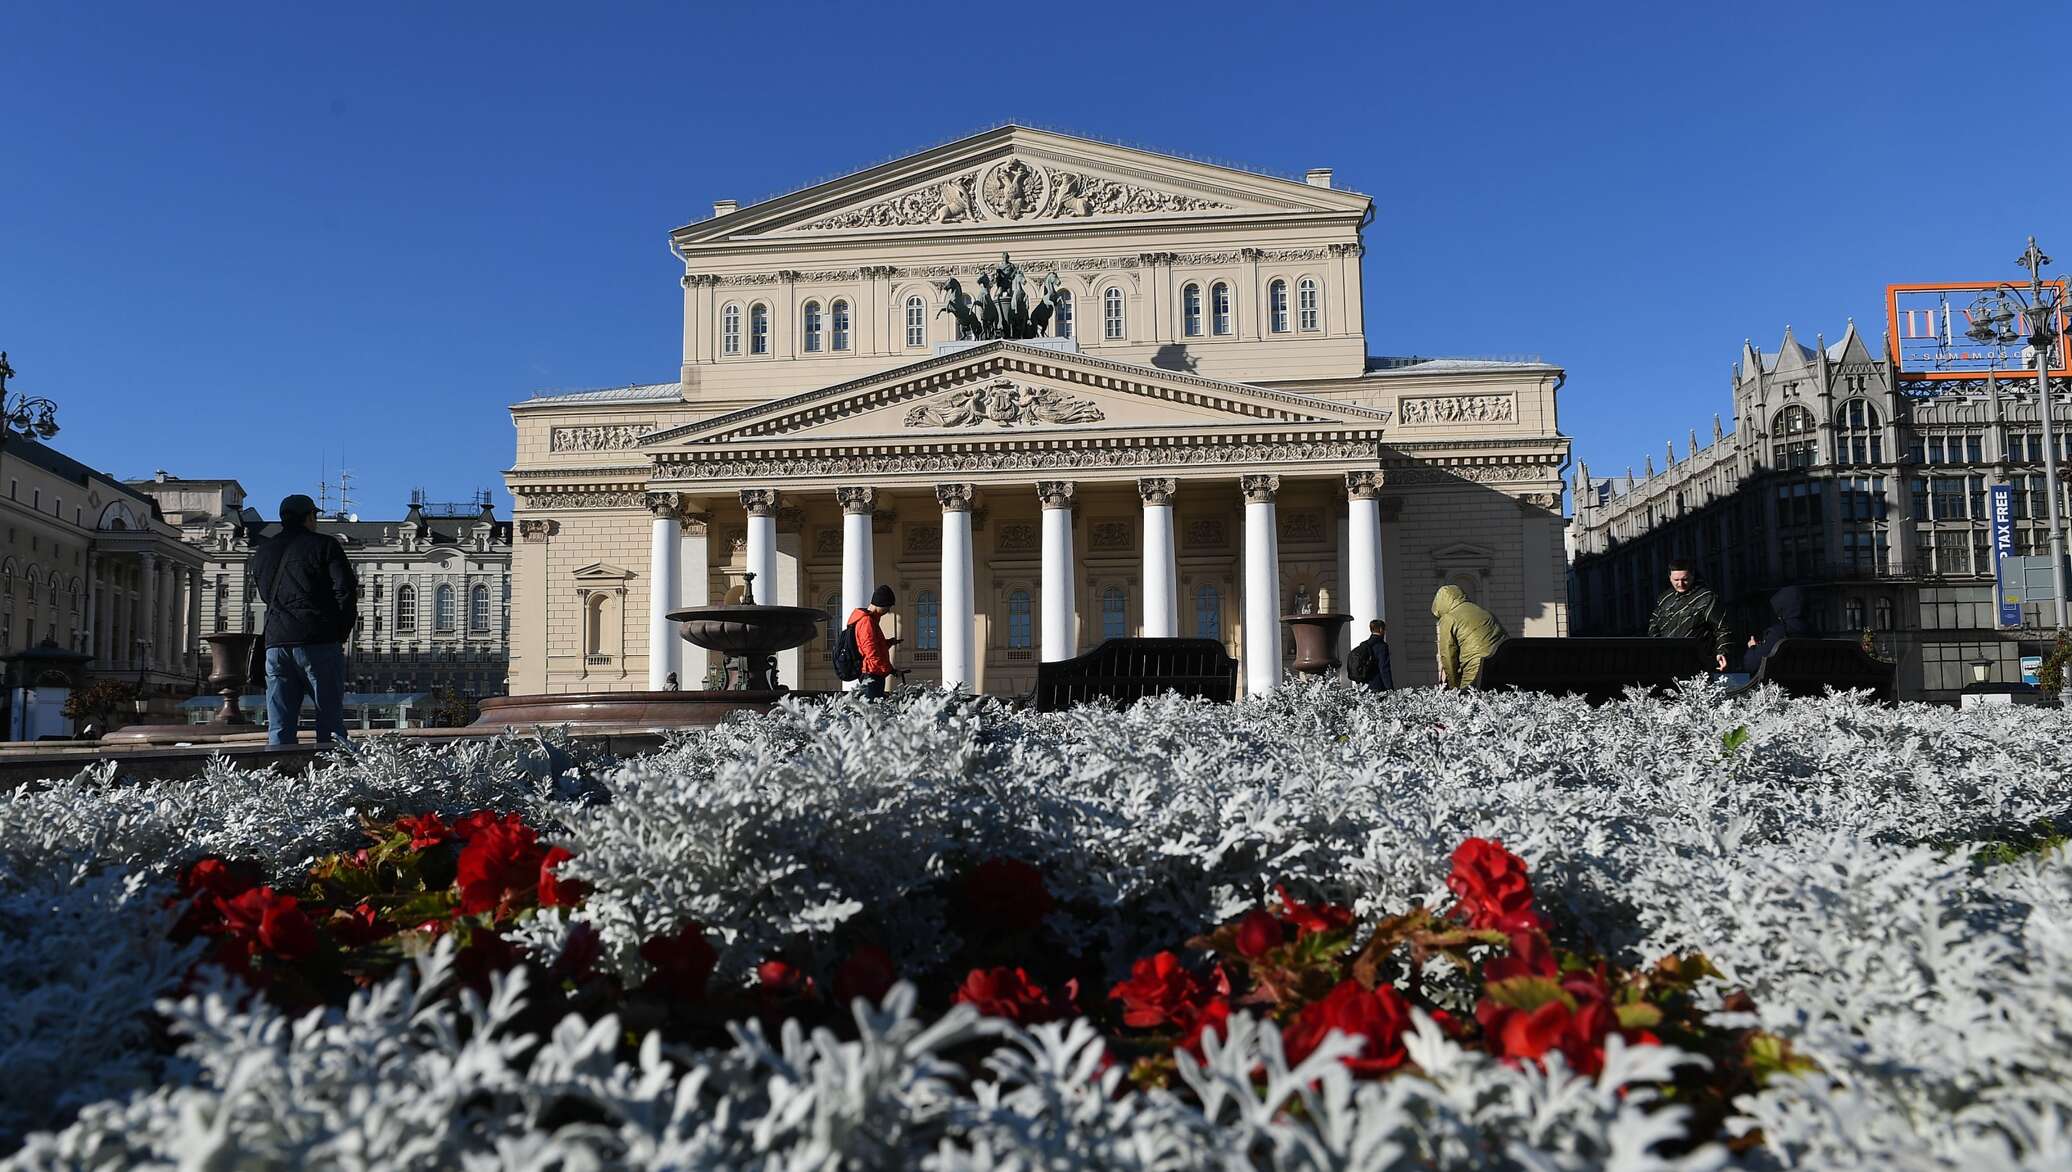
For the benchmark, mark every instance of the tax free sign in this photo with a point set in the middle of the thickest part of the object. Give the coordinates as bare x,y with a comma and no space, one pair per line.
2003,549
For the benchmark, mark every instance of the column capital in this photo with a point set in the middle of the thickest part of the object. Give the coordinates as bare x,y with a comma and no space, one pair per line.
760,502
1362,486
147,559
857,498
664,505
536,529
694,524
1259,490
956,497
1055,494
1157,490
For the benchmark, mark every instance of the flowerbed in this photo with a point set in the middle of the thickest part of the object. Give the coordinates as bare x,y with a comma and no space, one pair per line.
1317,930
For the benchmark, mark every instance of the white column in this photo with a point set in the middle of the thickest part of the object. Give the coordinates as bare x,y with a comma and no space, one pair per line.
92,643
761,504
957,662
858,504
186,618
1262,649
1060,639
791,558
1363,550
147,606
694,565
665,580
1161,569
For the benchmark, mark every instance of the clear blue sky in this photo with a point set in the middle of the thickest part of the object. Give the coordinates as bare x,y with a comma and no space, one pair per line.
247,240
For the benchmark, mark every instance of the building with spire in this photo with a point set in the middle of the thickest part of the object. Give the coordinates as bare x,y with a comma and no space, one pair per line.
1868,492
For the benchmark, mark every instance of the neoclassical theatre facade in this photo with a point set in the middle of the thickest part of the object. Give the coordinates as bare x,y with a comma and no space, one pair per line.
1203,445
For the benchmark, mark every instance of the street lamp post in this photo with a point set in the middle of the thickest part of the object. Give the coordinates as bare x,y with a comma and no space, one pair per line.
1993,318
20,413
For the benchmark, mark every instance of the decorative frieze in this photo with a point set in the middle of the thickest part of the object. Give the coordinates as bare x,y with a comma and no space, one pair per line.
1004,403
1018,537
1075,195
1109,536
604,437
922,540
1205,533
1302,527
827,543
1476,473
1540,500
582,499
1011,190
931,463
1157,490
1458,409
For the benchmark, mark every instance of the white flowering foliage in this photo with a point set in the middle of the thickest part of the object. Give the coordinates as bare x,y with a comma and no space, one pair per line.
1819,852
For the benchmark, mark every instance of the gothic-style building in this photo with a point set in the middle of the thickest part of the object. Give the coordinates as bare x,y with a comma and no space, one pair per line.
1203,438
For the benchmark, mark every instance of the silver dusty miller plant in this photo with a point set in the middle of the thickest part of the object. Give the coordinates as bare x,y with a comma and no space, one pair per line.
1820,852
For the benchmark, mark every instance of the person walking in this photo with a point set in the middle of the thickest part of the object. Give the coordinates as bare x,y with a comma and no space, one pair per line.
871,644
312,602
1368,664
1467,636
1690,610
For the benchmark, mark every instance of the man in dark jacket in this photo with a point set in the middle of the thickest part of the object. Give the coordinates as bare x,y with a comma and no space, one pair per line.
311,600
1368,664
1688,610
1790,607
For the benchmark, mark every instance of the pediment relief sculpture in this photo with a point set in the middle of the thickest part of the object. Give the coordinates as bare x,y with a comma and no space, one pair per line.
1012,189
1005,403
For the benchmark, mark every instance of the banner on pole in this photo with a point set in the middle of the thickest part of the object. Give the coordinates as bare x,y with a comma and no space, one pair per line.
2010,611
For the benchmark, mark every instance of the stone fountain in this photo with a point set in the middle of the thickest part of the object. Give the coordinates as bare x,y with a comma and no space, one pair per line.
748,633
1316,636
230,670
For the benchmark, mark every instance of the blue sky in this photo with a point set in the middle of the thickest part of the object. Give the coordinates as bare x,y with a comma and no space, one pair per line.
255,240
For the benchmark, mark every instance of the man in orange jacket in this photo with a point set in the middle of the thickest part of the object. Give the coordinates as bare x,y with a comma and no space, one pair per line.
872,644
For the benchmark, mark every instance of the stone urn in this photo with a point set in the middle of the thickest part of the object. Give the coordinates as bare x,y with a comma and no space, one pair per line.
750,635
1316,641
230,669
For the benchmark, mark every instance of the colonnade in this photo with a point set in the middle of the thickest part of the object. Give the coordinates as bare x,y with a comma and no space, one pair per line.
143,613
671,551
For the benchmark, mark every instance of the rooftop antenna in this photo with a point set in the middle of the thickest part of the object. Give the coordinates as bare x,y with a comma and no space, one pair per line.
345,497
324,487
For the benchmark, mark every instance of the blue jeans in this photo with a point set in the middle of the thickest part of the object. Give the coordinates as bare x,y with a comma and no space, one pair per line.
293,674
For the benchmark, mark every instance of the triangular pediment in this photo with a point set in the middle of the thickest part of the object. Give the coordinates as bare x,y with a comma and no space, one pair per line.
1007,390
1019,178
602,572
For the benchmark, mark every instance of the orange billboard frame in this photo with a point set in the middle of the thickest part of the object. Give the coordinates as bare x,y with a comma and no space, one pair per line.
1896,338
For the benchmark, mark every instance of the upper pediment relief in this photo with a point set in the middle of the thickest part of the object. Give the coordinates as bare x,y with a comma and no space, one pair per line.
1013,189
1017,177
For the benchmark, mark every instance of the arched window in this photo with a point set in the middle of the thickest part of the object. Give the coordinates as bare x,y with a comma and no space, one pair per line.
759,329
406,610
1277,307
1791,438
1307,301
478,608
1061,325
1208,613
1111,313
1019,629
596,623
1114,614
916,321
1219,308
840,314
730,329
442,609
927,622
1860,441
1190,310
811,316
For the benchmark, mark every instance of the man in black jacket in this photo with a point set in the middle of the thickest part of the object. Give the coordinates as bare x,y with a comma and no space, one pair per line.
311,600
1689,610
1368,664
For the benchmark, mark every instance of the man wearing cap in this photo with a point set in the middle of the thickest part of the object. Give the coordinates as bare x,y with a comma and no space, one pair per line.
311,600
871,642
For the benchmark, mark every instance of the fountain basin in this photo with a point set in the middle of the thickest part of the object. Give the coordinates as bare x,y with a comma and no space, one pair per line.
1316,641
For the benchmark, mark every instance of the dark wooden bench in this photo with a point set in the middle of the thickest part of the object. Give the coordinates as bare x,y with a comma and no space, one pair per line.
1595,669
1126,670
1808,667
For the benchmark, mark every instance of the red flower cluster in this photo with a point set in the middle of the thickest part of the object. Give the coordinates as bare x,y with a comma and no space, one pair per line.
1011,994
868,973
248,920
500,863
1310,918
1492,887
1379,1016
681,962
1006,895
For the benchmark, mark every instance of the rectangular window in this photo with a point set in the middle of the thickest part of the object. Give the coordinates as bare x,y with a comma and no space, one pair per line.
1935,450
1949,498
1953,552
1974,449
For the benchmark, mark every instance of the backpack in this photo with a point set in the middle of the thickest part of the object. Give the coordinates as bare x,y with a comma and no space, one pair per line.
1360,665
848,658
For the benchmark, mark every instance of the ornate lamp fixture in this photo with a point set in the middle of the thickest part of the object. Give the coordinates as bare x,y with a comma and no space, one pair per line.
20,414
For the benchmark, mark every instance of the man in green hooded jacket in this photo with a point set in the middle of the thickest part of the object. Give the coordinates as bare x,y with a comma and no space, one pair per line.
1467,636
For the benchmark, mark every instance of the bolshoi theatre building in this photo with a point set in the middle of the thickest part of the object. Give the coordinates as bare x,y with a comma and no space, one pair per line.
1201,443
